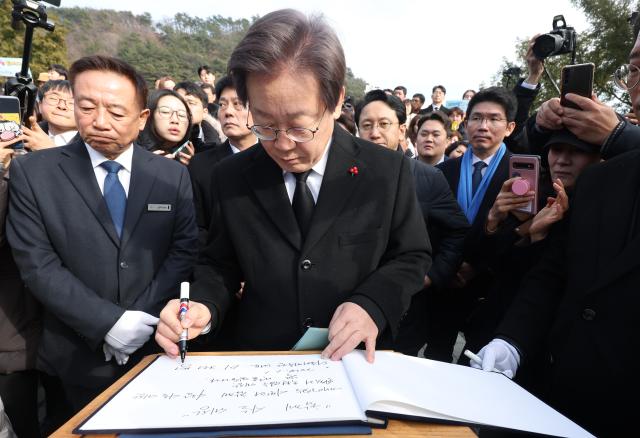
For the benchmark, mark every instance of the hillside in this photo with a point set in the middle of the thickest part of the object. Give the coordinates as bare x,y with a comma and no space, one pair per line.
175,47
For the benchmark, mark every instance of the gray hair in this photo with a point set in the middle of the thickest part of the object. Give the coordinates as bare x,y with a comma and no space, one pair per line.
289,39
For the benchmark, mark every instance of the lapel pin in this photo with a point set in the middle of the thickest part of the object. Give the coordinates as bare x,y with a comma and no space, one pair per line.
353,170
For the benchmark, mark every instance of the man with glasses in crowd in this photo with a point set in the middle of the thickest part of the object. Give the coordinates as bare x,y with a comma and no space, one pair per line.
579,303
475,180
323,227
58,126
380,118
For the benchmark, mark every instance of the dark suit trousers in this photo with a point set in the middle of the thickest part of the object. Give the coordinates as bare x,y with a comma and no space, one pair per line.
19,392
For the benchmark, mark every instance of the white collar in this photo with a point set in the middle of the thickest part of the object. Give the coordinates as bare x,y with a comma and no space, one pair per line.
475,159
125,158
234,149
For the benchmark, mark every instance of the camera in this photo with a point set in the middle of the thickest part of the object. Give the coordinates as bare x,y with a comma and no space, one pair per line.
33,14
560,40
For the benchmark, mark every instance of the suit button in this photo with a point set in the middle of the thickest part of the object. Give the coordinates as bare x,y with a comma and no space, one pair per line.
305,265
588,314
124,265
308,323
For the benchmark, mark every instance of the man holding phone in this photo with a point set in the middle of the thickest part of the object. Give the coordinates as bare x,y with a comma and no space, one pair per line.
475,180
580,301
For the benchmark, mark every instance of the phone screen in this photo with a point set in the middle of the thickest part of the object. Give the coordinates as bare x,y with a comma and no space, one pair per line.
9,118
576,79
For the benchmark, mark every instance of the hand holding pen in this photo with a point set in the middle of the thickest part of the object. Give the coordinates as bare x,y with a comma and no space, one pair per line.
170,327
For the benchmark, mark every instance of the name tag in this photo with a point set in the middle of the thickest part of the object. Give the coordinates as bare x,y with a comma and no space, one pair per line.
158,207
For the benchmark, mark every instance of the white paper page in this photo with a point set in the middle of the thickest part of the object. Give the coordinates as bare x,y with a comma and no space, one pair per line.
453,391
210,391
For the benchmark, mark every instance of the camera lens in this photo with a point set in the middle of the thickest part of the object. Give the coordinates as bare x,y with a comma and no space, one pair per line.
547,44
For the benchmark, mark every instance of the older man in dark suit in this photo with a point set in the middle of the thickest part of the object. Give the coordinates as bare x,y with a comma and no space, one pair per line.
102,231
324,228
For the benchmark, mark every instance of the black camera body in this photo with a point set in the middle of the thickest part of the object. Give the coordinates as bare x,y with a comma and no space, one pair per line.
33,13
561,40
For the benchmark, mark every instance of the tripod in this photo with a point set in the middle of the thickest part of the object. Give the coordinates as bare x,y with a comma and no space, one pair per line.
34,15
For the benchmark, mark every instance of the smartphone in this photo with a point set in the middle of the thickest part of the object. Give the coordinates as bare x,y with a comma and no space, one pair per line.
10,119
576,79
526,167
179,149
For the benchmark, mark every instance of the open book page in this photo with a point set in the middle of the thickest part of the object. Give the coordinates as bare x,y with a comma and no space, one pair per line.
407,385
230,391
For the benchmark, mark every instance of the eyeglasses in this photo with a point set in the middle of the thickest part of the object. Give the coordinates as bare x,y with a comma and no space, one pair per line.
54,100
236,104
477,119
299,135
382,125
626,77
164,112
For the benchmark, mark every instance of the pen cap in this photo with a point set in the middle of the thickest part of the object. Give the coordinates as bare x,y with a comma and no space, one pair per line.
184,290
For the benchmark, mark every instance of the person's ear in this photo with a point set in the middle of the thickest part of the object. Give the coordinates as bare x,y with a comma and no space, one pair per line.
510,127
337,111
142,118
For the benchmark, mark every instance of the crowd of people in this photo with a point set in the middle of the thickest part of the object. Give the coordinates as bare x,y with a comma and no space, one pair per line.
287,204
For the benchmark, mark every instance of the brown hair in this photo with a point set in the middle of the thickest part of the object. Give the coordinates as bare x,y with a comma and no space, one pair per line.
114,65
288,39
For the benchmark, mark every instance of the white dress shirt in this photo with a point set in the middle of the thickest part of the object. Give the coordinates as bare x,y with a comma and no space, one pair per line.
487,161
234,149
62,139
314,180
124,175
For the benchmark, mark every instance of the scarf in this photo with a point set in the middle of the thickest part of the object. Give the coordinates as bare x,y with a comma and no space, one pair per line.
468,202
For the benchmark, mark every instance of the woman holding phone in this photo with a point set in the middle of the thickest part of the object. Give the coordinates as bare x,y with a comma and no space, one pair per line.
169,126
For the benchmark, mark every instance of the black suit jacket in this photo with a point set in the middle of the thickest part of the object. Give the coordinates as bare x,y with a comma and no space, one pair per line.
429,109
71,258
200,171
446,223
581,300
474,253
367,244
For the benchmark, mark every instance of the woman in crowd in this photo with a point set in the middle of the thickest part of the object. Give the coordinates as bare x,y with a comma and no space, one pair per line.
169,126
456,149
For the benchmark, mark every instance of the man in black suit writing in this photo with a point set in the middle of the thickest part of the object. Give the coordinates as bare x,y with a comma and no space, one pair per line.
102,232
324,228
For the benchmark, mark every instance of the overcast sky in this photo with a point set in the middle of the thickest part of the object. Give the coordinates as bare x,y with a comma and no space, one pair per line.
418,44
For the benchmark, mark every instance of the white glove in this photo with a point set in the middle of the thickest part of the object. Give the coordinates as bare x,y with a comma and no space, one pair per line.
131,331
110,352
499,355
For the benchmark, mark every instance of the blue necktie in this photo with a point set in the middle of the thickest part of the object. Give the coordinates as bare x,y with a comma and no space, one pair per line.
114,194
476,177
